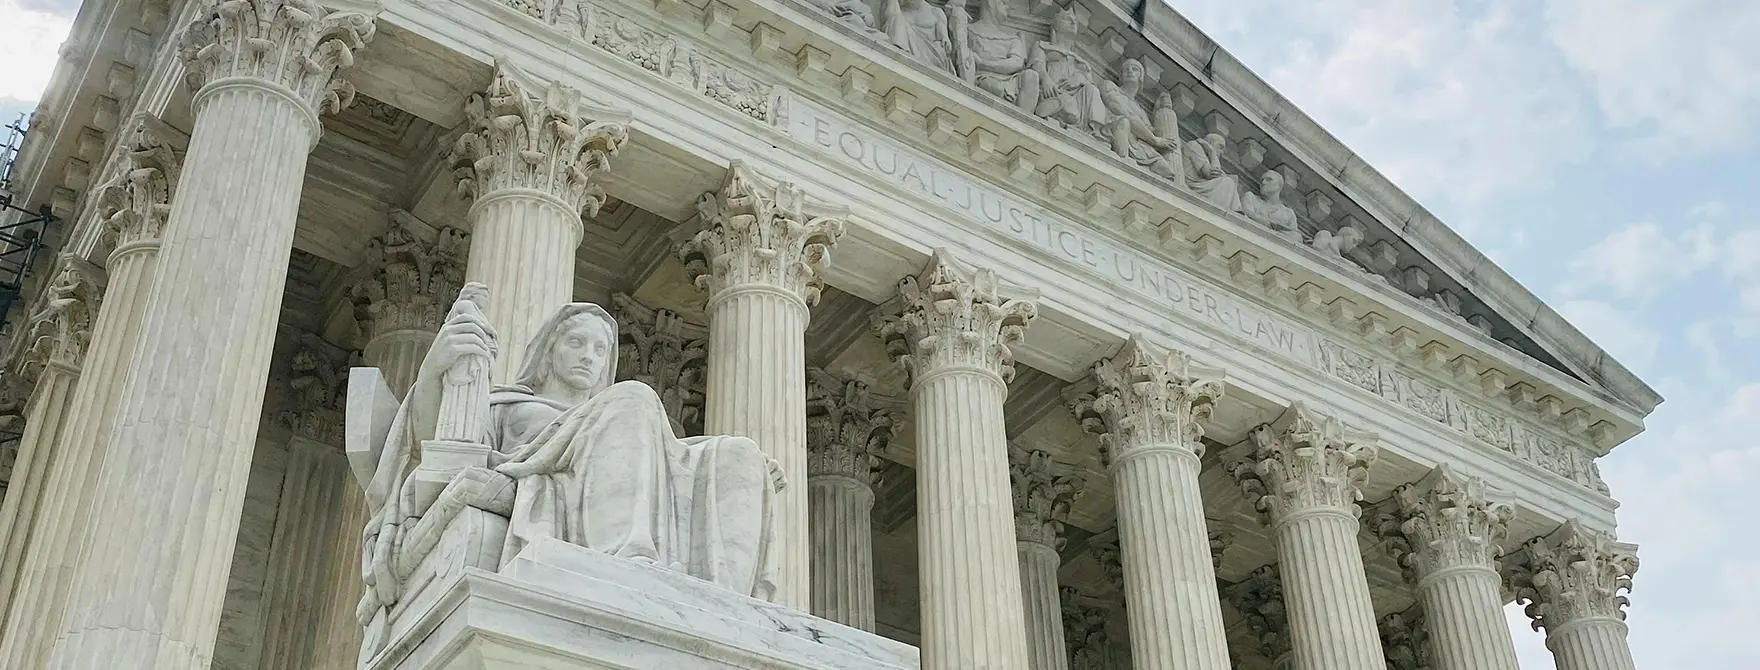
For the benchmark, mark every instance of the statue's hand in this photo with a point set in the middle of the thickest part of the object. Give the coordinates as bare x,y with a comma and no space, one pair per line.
778,478
464,334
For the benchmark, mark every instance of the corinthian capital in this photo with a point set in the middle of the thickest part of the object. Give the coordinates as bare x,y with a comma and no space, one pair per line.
659,348
409,277
847,427
1147,398
1043,493
538,136
1308,461
1443,521
1259,599
759,231
57,334
317,384
295,44
1405,640
951,317
1084,625
1572,575
136,204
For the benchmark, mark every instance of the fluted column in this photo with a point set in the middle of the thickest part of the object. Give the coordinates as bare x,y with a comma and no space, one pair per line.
151,577
759,256
133,209
56,337
1259,599
1406,640
1147,410
525,160
1043,492
1446,534
1305,477
847,428
952,334
1574,580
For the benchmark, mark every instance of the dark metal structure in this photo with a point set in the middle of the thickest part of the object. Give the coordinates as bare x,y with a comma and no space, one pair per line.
21,238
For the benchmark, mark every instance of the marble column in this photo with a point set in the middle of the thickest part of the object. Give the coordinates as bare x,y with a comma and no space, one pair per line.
526,160
847,428
56,338
133,210
1406,640
1304,476
1446,534
150,580
952,334
1574,581
758,257
1043,492
1259,599
1084,625
1147,409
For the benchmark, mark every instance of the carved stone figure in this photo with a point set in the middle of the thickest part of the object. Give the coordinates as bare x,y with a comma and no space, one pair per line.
853,12
959,32
1267,208
1204,175
1131,132
1067,93
1339,243
999,57
919,29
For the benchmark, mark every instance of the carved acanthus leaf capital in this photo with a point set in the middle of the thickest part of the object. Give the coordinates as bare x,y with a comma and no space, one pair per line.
1084,626
1444,520
1043,493
317,386
760,231
1405,639
1148,397
409,277
1574,574
1220,541
137,202
541,136
847,427
1259,599
296,44
59,331
659,348
951,317
1306,461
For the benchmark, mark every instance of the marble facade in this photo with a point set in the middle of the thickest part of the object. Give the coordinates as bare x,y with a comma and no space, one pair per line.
1073,345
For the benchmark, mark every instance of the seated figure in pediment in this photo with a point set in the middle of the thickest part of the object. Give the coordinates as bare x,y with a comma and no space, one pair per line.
856,13
920,30
1337,244
999,57
1131,133
1204,175
1266,207
1067,92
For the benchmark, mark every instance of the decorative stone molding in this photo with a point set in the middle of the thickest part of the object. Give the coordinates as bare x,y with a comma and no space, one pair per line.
953,317
1220,541
847,427
296,44
409,280
1444,521
1259,599
1084,626
1043,493
522,134
760,231
1405,640
1572,575
136,203
1312,461
1148,398
659,348
61,327
317,387
1107,553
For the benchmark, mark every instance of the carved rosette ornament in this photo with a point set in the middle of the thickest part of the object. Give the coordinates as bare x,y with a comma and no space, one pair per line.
1575,574
1405,639
135,205
536,137
1259,599
317,388
1314,462
1442,522
1084,627
658,348
61,329
760,232
296,44
847,428
1043,493
955,318
410,280
1147,398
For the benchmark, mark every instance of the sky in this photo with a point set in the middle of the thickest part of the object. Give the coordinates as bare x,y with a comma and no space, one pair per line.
1603,152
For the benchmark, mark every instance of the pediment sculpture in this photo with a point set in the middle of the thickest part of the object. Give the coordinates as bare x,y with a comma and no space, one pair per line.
562,452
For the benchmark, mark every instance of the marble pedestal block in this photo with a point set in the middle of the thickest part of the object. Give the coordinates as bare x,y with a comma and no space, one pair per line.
558,605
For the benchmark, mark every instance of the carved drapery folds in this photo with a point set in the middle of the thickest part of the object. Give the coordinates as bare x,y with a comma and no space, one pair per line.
1259,599
763,232
1444,521
1084,626
297,44
847,427
1148,397
952,317
61,328
317,387
659,348
135,205
1405,639
1572,575
1043,493
1312,462
410,279
526,135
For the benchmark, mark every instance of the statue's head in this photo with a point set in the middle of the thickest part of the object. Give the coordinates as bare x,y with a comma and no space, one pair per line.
1215,140
1164,101
1349,237
1132,73
1063,27
576,349
1271,184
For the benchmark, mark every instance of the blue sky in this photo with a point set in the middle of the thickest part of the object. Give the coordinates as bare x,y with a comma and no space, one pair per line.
1603,152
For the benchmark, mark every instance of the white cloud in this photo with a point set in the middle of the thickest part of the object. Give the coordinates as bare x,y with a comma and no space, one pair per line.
1621,333
29,51
1641,260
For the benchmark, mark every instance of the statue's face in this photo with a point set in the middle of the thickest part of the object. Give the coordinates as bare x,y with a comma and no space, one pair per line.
581,353
1270,184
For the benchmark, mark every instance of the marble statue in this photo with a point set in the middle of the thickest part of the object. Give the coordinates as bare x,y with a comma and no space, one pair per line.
1204,175
1067,92
1266,207
1131,132
1337,244
590,462
999,57
959,31
920,30
856,13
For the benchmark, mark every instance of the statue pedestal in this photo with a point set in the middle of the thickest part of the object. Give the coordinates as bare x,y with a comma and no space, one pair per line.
558,605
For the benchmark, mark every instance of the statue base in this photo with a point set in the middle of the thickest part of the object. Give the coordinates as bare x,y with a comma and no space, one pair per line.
558,605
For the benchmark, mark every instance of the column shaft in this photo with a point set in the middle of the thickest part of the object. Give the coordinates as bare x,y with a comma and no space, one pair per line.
398,355
150,583
842,550
302,554
1171,600
1591,644
38,450
1042,606
1464,611
523,246
1331,617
